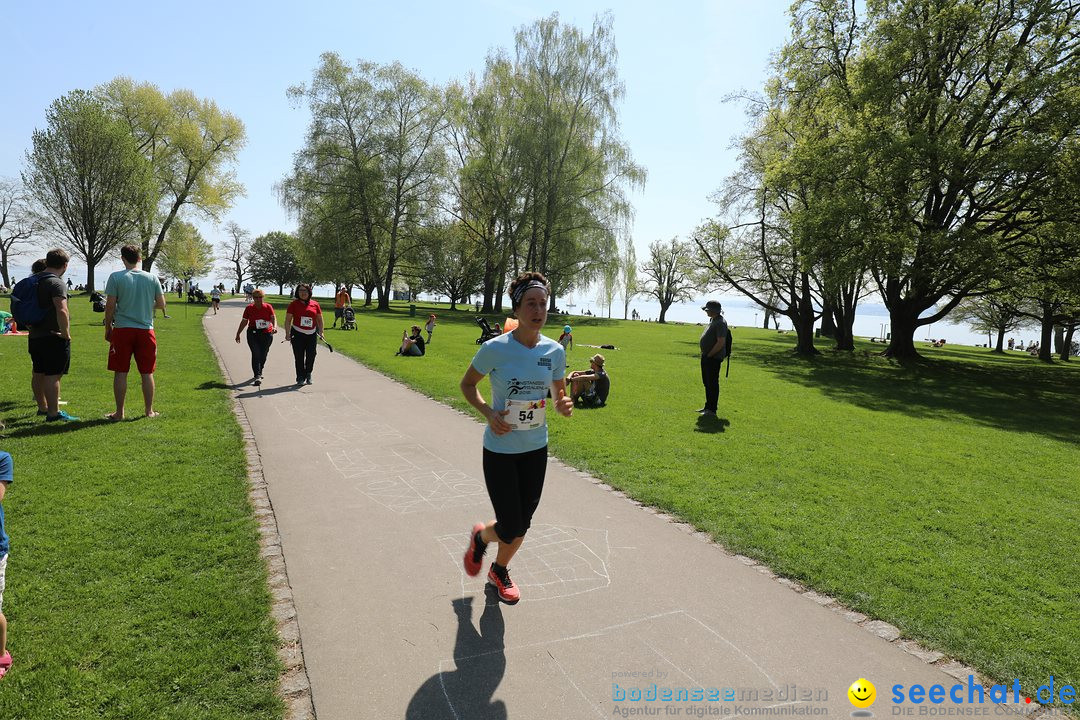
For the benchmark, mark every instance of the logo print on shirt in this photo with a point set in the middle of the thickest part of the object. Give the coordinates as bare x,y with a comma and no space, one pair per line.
515,386
544,362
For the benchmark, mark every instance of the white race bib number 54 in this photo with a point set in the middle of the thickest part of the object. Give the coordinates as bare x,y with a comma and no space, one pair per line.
526,414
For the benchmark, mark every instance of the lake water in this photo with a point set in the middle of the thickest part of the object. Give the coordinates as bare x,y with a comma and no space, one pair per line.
871,320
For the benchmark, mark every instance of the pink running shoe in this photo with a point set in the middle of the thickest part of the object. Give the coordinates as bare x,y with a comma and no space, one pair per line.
500,578
474,553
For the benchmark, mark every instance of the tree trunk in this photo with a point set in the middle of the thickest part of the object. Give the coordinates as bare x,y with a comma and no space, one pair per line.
1059,338
1000,348
89,277
845,333
663,312
281,289
765,324
367,296
1066,347
828,325
1047,337
903,323
804,329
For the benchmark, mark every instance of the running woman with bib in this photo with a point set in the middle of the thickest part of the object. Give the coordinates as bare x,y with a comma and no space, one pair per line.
261,322
523,366
303,325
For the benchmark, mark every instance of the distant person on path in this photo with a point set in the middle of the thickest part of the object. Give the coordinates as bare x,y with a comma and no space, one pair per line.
341,300
7,476
713,350
248,289
131,297
523,365
303,325
261,322
430,326
567,338
69,284
412,344
592,385
215,298
49,342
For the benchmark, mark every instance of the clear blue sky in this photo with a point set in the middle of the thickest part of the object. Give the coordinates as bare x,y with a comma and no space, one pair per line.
677,60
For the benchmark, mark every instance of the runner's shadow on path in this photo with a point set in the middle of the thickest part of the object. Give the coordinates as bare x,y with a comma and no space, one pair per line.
481,664
257,392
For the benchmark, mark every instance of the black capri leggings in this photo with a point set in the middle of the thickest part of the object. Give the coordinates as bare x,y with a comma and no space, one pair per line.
259,342
514,484
303,348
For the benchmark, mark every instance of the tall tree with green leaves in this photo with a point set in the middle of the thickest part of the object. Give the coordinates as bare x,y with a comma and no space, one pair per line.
90,183
959,108
372,153
185,254
273,260
571,153
190,143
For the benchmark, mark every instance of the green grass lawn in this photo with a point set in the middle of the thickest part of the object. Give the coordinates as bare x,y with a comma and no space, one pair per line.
135,584
940,497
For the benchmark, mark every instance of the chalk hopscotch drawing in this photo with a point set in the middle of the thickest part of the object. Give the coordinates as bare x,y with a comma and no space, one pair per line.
407,478
386,465
554,562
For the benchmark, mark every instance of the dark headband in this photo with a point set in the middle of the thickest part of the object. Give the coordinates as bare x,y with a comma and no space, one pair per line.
522,289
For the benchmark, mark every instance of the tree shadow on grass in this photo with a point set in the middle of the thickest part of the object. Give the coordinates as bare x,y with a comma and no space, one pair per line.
217,385
1009,396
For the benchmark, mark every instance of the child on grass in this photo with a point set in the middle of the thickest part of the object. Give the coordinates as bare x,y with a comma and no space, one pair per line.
6,476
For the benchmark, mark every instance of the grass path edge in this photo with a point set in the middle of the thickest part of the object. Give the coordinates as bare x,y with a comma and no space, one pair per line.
294,686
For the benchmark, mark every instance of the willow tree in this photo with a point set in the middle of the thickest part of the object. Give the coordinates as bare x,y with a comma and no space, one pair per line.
191,145
373,152
571,152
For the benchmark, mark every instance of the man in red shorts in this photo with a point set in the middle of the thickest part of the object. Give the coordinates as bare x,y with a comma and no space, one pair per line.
132,295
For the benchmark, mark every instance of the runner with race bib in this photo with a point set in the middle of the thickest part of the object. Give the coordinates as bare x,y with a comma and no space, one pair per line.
523,365
303,325
261,322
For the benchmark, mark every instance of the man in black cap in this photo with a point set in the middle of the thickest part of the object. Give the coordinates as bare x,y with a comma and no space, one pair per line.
713,345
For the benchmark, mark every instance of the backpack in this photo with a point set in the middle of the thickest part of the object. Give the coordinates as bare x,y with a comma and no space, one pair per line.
25,306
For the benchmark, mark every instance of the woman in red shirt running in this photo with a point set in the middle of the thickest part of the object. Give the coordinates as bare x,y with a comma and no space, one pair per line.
303,325
260,336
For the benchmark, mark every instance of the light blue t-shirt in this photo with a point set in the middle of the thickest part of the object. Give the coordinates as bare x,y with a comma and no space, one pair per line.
135,292
6,476
519,373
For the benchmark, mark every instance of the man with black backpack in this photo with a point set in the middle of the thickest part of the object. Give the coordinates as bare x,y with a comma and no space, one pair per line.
40,302
714,348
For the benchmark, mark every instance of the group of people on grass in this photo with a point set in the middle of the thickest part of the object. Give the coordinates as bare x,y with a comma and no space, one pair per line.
131,297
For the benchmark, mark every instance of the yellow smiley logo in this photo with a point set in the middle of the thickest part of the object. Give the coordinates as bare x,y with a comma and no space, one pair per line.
862,693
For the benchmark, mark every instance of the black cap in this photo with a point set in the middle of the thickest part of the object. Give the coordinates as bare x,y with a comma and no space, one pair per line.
713,305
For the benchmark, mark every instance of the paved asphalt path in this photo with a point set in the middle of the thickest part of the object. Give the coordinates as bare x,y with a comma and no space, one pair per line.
375,487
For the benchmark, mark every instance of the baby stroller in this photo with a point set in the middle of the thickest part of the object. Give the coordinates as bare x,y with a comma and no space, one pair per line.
486,331
348,318
98,303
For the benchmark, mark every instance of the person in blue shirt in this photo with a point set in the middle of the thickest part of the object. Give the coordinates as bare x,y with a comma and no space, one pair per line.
523,365
6,476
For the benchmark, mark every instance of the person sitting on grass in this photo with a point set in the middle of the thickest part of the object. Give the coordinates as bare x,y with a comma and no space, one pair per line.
412,344
590,386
